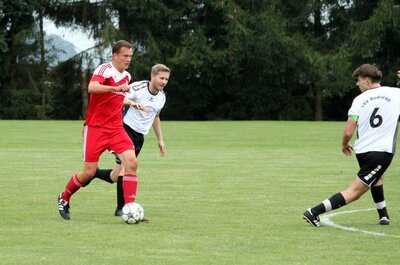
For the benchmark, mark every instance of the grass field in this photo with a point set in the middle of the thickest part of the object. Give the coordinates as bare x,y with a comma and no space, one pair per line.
226,193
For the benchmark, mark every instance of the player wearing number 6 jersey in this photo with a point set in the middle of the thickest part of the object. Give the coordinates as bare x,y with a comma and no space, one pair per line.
375,113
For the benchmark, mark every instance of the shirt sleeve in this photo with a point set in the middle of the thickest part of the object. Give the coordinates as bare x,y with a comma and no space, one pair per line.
100,73
131,94
355,108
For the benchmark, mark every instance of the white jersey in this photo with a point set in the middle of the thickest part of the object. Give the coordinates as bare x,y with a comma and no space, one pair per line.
378,113
142,120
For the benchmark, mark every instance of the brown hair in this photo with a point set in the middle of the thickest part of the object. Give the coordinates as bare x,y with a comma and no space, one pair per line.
159,68
121,44
370,71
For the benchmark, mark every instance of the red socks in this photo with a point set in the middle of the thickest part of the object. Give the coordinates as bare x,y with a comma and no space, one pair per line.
129,183
72,187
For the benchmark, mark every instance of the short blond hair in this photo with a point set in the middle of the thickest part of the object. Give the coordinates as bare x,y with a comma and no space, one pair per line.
159,68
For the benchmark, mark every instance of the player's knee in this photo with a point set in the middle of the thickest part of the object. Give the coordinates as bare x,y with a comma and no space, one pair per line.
131,164
89,172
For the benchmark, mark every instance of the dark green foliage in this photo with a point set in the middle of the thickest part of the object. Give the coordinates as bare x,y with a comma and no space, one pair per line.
377,38
68,96
230,59
21,79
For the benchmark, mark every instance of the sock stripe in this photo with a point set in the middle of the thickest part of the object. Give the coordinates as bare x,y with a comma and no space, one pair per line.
76,181
380,205
130,178
73,186
328,205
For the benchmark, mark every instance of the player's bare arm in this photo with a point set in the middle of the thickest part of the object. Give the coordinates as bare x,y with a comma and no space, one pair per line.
96,88
347,148
158,132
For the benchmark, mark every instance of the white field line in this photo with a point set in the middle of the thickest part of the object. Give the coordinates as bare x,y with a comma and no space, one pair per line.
326,220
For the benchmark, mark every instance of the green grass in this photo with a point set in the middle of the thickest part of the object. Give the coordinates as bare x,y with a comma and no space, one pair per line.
226,193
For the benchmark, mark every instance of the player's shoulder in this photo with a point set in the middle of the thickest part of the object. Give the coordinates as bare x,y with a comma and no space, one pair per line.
104,67
139,85
162,93
388,88
391,90
127,74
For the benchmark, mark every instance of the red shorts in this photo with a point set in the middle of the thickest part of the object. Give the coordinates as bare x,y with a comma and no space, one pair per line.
98,139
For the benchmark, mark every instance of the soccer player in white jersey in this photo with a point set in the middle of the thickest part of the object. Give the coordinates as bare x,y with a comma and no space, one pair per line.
374,113
145,101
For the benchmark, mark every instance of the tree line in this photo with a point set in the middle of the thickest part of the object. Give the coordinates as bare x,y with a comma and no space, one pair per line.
230,59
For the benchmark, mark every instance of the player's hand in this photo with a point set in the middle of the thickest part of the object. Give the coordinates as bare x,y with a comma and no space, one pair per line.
137,105
122,88
162,147
347,149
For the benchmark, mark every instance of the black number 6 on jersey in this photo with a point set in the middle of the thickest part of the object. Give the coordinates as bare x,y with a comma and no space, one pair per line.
375,120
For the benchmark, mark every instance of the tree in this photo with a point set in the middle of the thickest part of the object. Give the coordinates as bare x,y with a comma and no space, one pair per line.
320,28
20,64
230,59
375,35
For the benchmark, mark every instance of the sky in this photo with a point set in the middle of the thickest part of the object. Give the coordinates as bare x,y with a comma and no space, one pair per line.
78,38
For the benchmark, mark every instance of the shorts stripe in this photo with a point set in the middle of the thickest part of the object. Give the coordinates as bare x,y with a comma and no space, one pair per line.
372,166
372,177
85,133
98,139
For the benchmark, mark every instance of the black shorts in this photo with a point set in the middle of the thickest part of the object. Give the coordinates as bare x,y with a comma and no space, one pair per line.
372,166
137,138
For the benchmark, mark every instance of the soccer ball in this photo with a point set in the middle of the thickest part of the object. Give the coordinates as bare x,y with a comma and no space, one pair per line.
132,213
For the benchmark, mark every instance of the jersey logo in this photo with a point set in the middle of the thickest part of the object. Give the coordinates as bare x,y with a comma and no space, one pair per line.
136,86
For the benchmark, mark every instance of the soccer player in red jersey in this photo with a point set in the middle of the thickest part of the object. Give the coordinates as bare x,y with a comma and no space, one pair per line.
144,102
103,126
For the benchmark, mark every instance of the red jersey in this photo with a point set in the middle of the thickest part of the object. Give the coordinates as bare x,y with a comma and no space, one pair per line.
105,110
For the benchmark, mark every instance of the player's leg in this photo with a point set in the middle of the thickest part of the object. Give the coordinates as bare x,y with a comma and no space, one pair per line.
138,140
94,143
123,146
352,193
115,172
372,167
103,174
379,199
120,192
129,181
356,189
73,185
107,175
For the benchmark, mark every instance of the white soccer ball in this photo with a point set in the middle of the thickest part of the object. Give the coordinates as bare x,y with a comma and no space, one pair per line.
132,213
